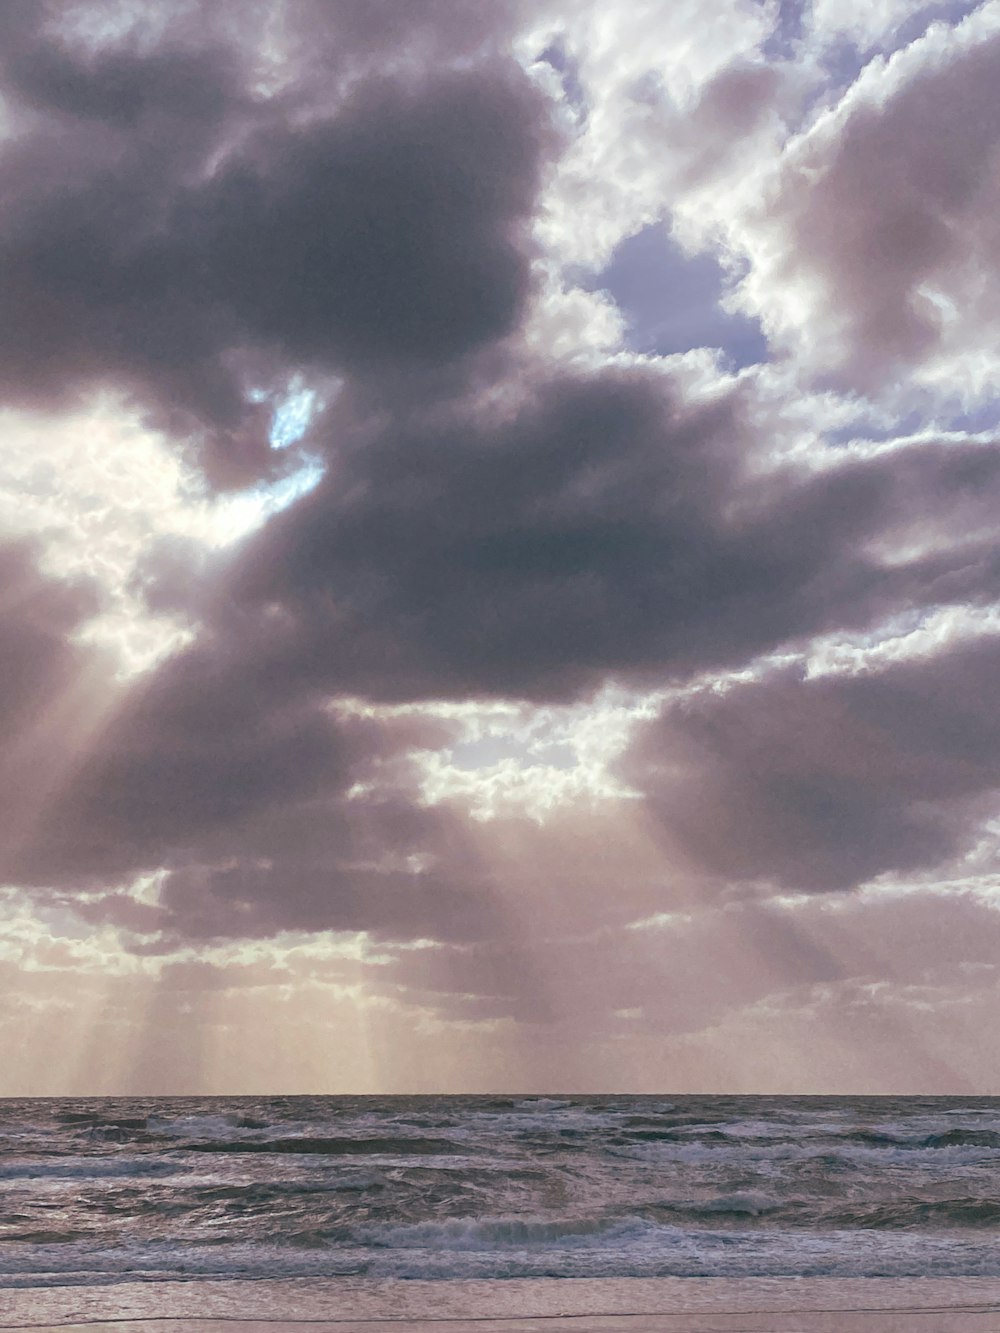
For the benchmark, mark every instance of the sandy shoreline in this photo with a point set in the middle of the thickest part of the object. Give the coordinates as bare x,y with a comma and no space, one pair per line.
845,1321
666,1305
793,1322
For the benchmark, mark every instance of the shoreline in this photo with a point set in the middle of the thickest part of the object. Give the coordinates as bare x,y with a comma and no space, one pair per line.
581,1305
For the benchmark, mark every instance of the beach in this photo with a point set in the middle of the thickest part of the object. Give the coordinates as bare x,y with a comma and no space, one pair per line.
692,1305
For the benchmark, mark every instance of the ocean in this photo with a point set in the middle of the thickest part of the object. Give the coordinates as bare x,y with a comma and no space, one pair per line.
373,1193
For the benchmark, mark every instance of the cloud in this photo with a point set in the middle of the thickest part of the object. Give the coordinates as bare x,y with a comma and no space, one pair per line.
825,783
39,616
666,99
195,213
883,23
47,682
257,810
875,232
396,211
602,526
592,526
259,815
174,231
389,233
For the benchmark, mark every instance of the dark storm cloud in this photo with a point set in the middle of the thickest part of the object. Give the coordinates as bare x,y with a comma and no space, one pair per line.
114,89
820,784
206,903
474,982
42,670
243,797
37,658
601,528
262,809
172,230
389,233
249,803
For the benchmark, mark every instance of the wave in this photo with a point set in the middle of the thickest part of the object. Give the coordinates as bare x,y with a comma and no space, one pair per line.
293,1191
83,1168
48,1237
741,1141
218,1125
333,1147
512,1247
135,1189
905,1214
963,1138
95,1120
504,1232
741,1203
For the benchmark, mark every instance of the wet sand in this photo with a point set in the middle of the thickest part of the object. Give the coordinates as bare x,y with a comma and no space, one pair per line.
667,1305
791,1321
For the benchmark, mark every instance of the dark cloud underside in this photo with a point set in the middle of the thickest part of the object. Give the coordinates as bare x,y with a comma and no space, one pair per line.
171,230
825,783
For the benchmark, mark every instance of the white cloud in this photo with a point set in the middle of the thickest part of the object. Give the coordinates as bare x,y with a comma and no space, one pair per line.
669,91
873,240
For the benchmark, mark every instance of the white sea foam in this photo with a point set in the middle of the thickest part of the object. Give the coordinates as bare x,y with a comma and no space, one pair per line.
207,1127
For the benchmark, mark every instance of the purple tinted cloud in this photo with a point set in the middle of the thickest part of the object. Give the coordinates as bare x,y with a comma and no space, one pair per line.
498,518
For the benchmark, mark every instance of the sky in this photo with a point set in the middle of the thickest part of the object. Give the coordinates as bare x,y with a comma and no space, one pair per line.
498,546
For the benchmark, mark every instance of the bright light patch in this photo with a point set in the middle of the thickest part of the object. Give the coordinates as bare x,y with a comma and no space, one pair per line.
292,416
534,761
238,515
661,921
284,492
100,490
913,634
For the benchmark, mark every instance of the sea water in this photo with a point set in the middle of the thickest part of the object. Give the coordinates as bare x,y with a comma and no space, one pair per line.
374,1193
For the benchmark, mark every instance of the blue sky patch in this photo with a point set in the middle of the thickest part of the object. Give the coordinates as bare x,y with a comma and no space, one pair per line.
671,300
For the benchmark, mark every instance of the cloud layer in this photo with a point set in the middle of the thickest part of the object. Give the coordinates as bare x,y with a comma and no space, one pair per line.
592,696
